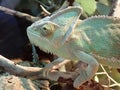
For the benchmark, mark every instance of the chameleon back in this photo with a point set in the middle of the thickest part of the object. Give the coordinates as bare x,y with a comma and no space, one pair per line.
100,35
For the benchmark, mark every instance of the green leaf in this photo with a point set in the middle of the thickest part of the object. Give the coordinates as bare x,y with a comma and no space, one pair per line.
89,6
105,2
103,9
115,75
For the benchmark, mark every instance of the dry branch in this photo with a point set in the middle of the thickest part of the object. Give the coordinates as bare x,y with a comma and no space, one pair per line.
16,69
19,14
31,72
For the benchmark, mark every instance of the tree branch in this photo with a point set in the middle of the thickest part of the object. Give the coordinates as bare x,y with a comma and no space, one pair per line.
19,14
31,72
18,70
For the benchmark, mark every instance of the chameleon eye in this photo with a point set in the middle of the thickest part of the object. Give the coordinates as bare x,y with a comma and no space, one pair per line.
44,28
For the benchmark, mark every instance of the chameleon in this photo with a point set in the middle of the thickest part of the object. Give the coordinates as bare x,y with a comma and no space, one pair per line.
94,41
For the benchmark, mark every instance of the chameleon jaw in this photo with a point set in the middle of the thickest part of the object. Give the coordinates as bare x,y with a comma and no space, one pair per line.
35,38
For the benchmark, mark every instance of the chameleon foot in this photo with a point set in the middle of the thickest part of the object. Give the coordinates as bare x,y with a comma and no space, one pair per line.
56,64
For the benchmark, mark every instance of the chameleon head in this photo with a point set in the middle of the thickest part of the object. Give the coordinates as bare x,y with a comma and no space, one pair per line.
48,32
41,33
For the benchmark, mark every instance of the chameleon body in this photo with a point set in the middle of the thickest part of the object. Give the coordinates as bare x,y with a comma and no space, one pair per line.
94,40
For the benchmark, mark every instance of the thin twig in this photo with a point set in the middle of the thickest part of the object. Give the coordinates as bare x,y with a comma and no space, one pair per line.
42,4
48,13
100,73
110,77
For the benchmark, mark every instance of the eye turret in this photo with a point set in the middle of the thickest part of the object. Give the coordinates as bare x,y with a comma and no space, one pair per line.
48,28
44,28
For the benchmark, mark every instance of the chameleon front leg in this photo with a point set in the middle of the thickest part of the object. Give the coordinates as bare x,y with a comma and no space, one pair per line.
90,71
56,64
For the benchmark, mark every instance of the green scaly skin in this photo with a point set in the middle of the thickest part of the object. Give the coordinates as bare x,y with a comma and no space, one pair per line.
93,41
100,37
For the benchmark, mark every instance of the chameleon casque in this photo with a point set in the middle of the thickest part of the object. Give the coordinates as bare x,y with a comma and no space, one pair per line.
95,40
